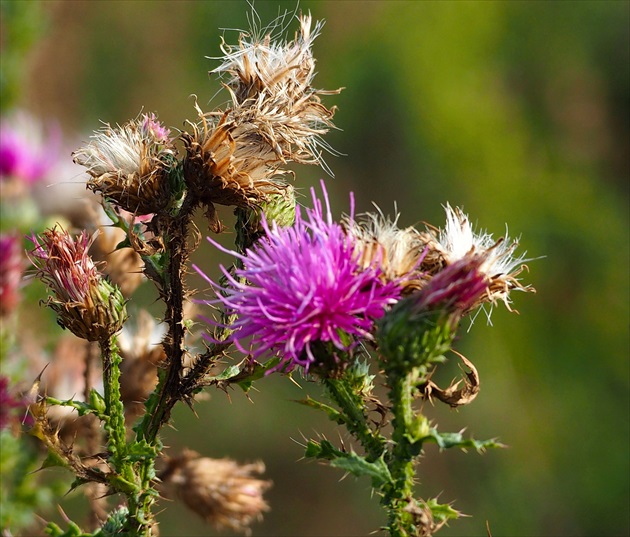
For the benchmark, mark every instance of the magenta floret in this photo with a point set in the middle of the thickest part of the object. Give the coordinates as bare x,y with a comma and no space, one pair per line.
304,284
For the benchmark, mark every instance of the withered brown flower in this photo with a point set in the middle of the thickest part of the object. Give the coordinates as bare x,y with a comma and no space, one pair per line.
129,164
237,156
224,493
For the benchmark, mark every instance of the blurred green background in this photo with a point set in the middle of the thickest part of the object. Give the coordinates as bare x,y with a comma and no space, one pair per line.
517,111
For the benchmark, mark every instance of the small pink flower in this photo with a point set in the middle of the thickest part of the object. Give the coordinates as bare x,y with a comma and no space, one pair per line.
8,405
10,272
85,302
27,150
456,289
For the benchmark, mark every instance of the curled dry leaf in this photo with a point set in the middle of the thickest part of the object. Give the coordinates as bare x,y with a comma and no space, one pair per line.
453,395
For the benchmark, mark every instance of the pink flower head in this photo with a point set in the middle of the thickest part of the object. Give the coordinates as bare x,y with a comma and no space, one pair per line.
27,152
10,272
65,265
85,302
301,285
8,404
152,128
456,289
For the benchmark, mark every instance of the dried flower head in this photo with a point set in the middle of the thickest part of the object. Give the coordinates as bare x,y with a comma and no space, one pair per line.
379,239
11,265
305,285
236,157
85,302
221,491
458,240
130,164
27,150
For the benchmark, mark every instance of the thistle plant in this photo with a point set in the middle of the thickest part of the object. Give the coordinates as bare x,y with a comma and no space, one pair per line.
342,301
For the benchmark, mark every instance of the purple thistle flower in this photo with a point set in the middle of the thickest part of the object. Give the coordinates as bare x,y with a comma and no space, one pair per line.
304,284
26,152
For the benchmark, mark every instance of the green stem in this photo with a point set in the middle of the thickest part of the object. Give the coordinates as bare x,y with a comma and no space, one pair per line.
353,409
399,493
125,479
114,409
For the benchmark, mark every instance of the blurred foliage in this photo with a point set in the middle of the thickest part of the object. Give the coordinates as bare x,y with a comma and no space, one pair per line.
517,111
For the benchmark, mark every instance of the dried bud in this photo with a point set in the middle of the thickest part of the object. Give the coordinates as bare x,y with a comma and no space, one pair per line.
86,303
10,273
131,165
221,491
397,251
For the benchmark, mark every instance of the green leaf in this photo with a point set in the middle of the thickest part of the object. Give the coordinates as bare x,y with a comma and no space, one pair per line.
332,413
73,530
140,451
442,511
451,440
257,372
357,465
115,524
54,459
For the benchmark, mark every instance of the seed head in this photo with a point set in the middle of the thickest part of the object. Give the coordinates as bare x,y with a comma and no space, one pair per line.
237,156
398,251
130,164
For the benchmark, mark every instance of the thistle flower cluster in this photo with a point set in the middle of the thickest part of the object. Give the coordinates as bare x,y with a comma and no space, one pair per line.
319,281
86,303
304,291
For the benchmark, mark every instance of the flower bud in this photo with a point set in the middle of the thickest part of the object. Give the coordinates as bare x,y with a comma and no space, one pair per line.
86,303
278,209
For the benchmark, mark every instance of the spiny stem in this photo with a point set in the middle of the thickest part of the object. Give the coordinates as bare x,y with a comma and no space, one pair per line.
357,424
114,408
168,389
401,460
